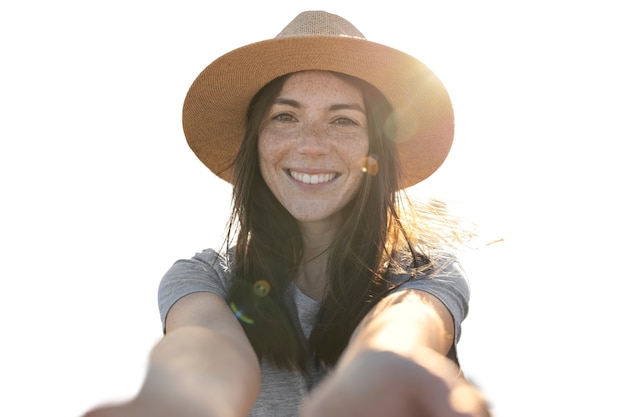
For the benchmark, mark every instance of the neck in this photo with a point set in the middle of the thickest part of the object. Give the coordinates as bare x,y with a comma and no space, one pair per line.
317,239
317,236
312,278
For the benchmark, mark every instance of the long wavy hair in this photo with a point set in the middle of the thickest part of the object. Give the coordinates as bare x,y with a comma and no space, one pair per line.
269,247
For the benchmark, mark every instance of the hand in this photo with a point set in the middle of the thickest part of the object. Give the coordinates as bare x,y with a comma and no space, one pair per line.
381,384
164,396
120,410
153,408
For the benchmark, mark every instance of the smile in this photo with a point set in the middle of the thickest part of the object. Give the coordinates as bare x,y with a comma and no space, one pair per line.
312,178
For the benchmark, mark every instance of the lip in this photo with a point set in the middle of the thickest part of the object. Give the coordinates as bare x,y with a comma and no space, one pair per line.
312,177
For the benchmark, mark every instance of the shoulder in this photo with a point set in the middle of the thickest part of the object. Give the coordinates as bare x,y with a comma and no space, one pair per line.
438,264
443,277
206,271
205,265
439,268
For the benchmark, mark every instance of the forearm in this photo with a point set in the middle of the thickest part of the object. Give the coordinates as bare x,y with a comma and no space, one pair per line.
199,370
407,324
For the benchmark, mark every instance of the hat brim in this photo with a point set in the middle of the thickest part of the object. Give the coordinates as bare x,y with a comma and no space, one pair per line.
214,111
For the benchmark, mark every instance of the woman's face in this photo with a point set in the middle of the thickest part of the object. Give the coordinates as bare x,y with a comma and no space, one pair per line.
312,144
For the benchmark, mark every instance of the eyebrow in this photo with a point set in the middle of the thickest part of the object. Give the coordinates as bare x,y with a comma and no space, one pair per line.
288,102
296,104
348,106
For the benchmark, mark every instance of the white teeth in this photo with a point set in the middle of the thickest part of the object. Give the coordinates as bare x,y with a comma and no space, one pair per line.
312,179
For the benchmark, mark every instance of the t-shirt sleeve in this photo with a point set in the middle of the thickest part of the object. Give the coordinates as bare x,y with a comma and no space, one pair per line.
450,285
205,272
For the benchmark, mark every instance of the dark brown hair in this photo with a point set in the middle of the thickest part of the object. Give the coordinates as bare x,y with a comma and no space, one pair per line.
269,246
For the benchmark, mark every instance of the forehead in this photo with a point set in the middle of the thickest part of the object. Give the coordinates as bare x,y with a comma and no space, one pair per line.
321,85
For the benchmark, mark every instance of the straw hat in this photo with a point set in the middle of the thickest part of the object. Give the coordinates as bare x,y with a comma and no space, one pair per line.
214,111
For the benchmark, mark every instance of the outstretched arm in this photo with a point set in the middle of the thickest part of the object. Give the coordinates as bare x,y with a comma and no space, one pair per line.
395,365
203,366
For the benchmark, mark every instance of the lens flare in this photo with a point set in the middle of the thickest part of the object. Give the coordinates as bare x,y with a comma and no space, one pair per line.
369,165
239,314
261,288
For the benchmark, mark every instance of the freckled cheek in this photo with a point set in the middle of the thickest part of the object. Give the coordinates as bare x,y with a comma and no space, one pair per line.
355,154
270,154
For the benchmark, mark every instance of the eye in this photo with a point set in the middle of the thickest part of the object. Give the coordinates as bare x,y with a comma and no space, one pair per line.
345,121
284,117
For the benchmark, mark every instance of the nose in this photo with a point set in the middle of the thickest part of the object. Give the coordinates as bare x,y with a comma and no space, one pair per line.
313,140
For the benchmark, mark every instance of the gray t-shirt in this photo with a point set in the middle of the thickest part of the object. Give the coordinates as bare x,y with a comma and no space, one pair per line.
282,391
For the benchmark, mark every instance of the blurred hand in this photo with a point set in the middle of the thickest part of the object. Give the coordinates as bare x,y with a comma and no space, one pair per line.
389,386
163,405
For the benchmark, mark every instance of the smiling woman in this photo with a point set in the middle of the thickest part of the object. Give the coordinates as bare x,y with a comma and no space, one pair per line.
311,145
327,298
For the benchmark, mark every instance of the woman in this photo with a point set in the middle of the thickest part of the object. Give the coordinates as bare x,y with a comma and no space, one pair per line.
328,298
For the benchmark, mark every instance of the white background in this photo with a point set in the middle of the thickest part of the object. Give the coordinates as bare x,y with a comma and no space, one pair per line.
100,193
